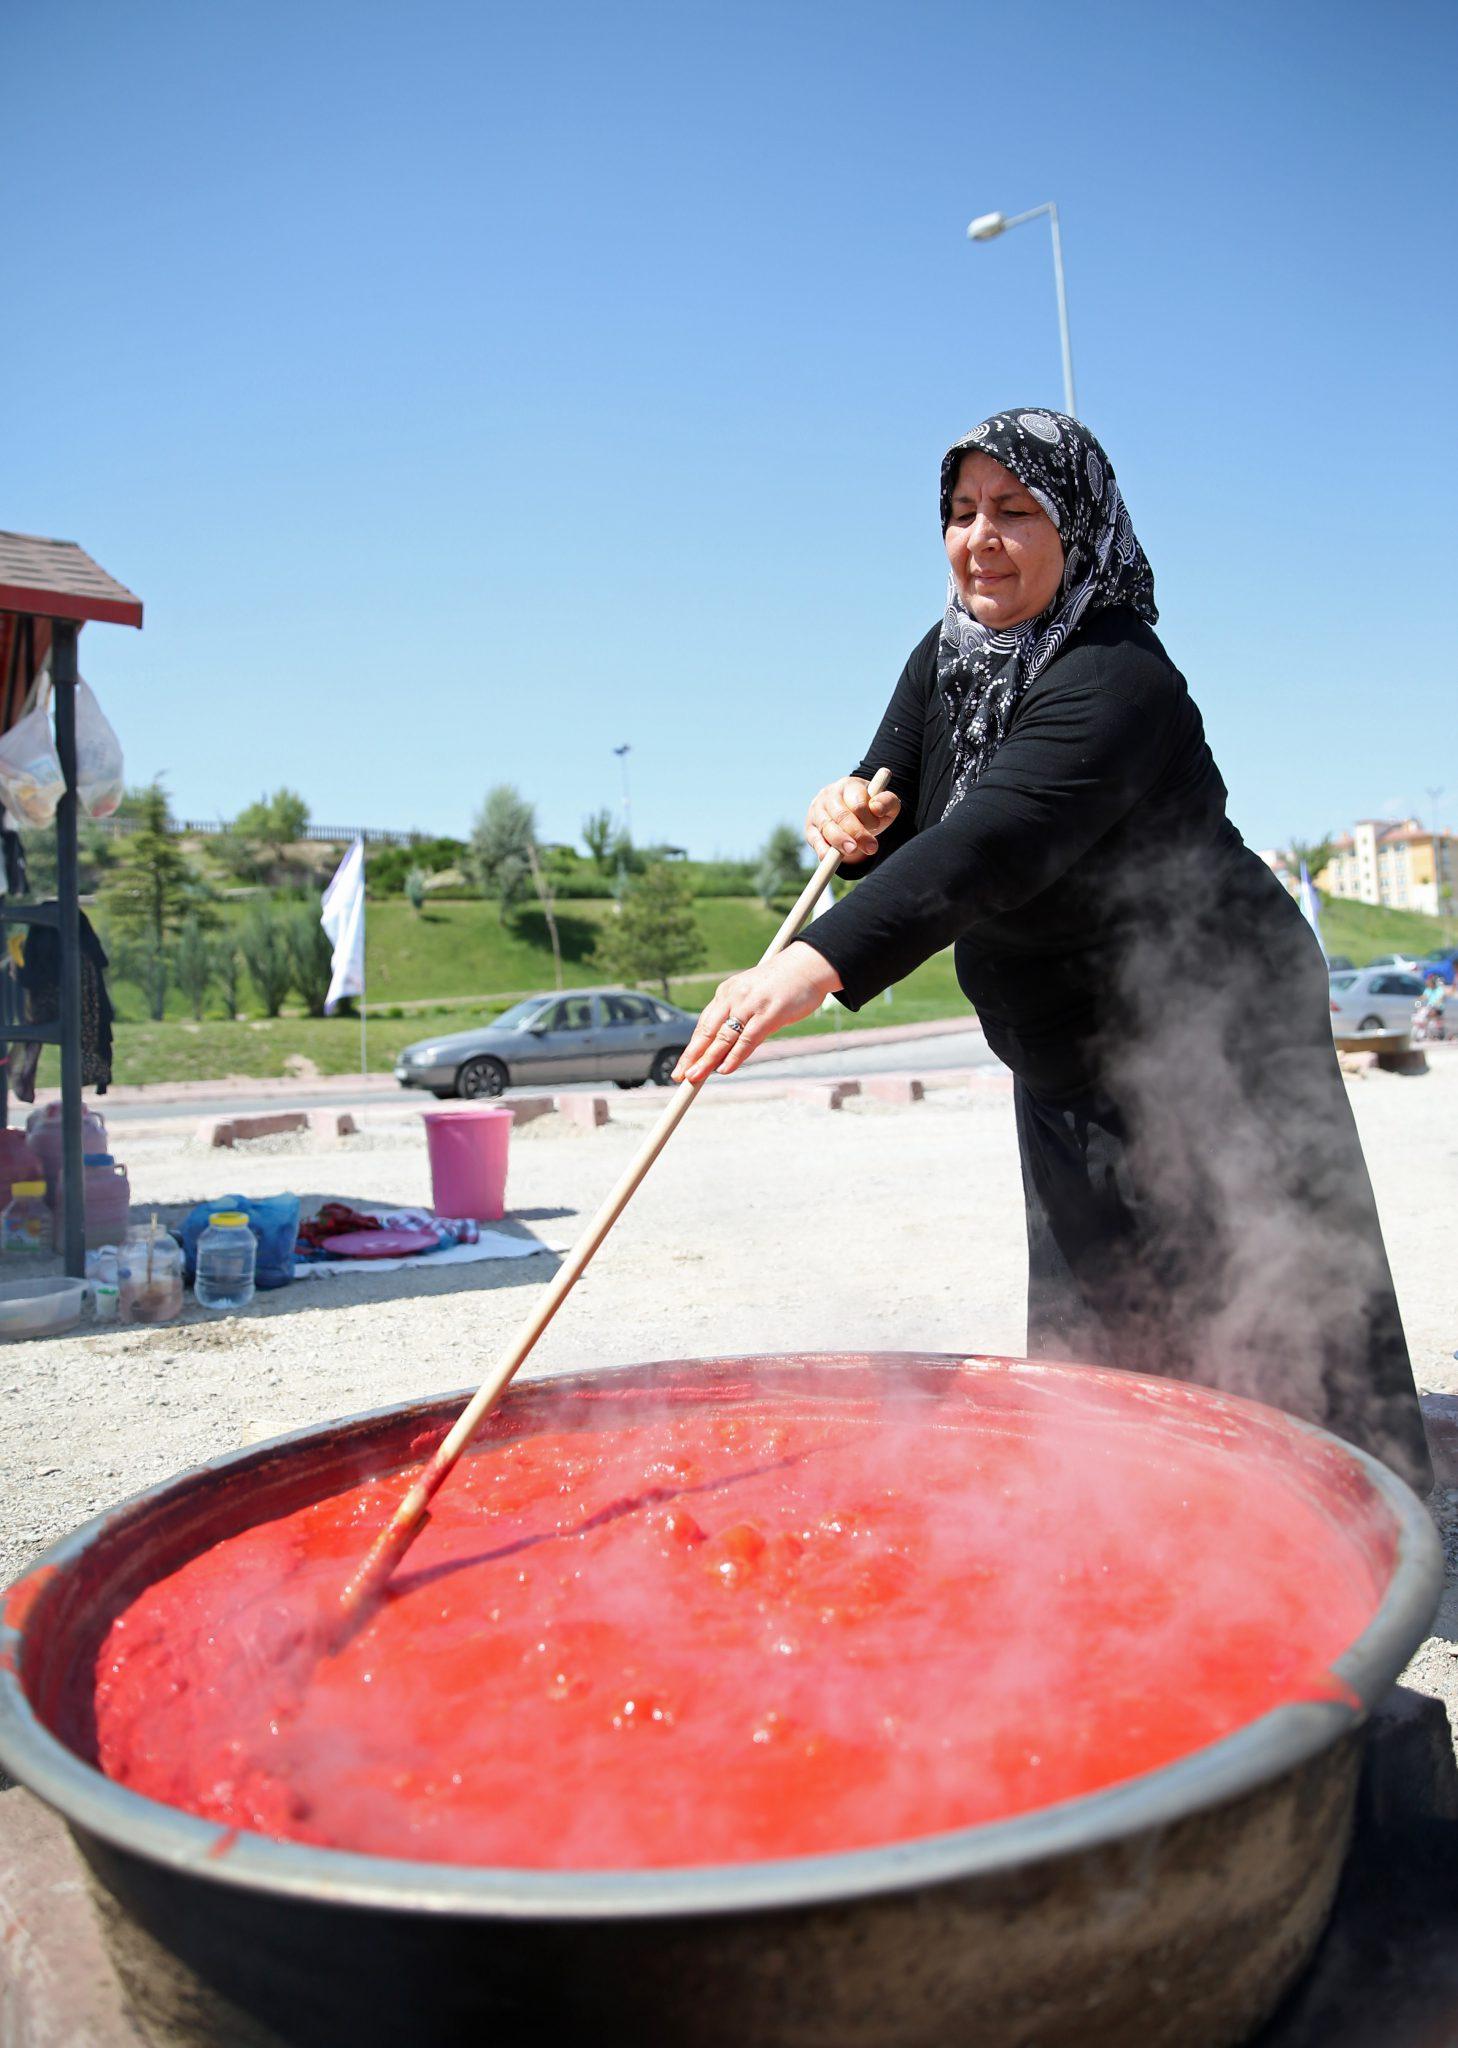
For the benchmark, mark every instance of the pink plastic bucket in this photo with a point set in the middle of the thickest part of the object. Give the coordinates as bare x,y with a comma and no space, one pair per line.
468,1162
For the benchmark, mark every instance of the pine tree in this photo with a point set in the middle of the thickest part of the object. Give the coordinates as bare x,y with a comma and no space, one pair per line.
193,963
655,933
227,967
148,894
311,959
264,946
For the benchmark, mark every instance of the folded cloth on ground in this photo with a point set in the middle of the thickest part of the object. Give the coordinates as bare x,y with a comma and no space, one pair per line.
491,1244
336,1219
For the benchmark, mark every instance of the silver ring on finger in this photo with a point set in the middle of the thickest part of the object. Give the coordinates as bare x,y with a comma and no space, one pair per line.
733,1024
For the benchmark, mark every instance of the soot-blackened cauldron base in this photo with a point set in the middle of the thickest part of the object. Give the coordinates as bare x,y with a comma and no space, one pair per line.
1173,1908
1103,1950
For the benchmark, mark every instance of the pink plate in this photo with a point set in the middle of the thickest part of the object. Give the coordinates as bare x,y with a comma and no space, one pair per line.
379,1244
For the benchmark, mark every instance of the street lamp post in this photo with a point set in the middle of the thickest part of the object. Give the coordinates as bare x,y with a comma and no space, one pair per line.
987,227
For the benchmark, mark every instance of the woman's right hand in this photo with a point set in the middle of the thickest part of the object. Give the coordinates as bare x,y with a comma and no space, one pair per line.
845,818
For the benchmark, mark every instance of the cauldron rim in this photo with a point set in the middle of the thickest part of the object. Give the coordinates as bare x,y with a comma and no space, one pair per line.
1254,1755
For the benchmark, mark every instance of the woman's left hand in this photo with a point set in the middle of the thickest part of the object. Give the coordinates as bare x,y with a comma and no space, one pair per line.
763,1000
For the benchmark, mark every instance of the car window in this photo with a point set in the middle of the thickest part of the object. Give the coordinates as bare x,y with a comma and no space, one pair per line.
1403,985
573,1013
519,1013
1342,980
626,1010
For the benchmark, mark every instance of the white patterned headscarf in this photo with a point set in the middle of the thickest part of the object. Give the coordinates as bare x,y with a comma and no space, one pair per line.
983,674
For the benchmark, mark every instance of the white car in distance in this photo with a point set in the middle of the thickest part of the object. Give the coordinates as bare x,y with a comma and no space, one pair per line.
1404,963
1373,999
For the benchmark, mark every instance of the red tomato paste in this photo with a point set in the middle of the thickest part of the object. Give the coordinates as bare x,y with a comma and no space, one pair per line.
766,1628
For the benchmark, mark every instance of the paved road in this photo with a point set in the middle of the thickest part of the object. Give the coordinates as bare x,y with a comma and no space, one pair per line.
915,1056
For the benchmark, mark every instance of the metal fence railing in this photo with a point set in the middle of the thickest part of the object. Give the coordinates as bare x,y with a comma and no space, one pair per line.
217,828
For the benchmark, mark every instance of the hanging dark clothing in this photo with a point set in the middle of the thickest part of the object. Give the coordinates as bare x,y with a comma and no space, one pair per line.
12,859
40,982
1197,1199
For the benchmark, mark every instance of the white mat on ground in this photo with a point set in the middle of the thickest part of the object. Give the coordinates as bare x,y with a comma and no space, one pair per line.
491,1244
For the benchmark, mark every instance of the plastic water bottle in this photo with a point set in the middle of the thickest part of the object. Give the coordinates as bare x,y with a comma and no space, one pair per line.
225,1257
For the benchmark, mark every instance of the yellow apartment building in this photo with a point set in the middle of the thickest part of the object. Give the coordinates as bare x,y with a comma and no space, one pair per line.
1394,863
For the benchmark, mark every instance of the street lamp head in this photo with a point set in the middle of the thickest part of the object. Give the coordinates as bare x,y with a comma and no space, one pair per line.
986,227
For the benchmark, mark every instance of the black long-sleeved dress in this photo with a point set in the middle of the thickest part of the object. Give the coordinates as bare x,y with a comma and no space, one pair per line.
1197,1199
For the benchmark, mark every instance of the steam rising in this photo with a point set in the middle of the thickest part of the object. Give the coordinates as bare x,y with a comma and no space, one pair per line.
1251,1256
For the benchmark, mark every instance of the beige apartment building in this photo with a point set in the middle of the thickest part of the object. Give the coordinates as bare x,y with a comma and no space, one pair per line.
1394,863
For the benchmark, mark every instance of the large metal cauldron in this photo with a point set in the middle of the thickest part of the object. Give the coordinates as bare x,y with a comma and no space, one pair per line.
1175,1908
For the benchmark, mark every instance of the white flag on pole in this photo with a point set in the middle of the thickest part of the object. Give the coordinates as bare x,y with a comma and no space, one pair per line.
1311,907
343,917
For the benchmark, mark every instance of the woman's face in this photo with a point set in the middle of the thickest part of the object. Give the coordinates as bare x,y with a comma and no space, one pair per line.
1004,550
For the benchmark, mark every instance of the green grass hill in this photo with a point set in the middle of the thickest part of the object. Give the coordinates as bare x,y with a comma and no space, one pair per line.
458,964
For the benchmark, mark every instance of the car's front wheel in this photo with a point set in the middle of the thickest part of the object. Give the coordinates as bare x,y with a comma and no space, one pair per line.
480,1077
630,1084
661,1071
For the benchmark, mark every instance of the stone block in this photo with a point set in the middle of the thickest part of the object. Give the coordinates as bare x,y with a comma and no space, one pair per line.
825,1094
899,1088
587,1111
525,1107
237,1130
57,1986
328,1126
1413,1061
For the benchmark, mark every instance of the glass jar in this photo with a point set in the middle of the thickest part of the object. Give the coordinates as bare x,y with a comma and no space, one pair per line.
149,1278
226,1255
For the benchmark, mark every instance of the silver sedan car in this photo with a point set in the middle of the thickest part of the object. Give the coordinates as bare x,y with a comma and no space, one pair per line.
613,1034
1373,999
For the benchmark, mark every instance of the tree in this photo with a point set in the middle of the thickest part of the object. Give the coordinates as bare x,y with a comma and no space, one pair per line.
504,856
145,964
264,945
598,834
148,894
499,838
414,887
781,865
311,958
266,831
654,933
193,963
227,968
1315,852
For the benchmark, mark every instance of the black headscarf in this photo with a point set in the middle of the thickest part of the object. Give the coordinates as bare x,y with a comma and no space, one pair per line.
983,674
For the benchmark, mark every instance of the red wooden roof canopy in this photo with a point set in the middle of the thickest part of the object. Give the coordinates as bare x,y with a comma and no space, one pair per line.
41,580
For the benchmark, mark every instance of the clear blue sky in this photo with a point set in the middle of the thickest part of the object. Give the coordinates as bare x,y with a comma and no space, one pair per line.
468,388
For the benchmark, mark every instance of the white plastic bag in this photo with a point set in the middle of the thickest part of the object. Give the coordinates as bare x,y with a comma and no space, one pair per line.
30,768
99,772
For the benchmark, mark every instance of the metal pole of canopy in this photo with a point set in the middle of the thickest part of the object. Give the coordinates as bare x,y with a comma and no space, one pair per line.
63,675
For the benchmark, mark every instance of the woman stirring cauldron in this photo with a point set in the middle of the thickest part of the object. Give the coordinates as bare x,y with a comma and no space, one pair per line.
1197,1201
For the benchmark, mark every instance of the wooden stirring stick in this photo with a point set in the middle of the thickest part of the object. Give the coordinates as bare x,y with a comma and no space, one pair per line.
369,1582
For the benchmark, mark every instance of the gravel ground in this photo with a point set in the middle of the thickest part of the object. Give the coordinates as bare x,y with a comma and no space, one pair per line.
766,1225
